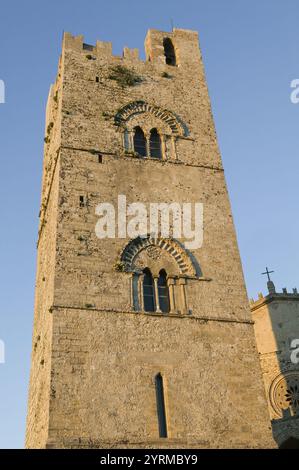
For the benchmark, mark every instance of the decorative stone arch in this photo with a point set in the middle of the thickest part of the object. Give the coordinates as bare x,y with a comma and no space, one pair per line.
284,393
156,255
184,263
177,127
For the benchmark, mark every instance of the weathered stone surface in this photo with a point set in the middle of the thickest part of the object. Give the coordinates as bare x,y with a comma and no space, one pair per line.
100,350
276,325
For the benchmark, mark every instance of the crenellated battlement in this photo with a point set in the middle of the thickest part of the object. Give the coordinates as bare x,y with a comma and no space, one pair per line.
76,43
184,43
272,296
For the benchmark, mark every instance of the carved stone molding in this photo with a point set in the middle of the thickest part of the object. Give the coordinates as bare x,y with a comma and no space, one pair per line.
153,247
138,107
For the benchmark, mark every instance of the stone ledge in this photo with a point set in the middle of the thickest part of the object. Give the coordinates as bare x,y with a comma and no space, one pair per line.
119,156
151,314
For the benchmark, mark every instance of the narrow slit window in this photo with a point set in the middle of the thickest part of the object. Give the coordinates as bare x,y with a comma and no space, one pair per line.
163,292
97,79
82,201
161,406
148,291
100,158
139,142
169,52
155,144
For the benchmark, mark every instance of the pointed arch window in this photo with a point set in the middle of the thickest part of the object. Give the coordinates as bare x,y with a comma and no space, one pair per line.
148,291
155,144
163,292
169,52
161,406
139,142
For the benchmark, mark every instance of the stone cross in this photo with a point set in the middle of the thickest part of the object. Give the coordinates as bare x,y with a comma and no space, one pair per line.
268,273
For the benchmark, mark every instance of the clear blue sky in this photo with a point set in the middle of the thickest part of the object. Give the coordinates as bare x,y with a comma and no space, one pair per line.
251,54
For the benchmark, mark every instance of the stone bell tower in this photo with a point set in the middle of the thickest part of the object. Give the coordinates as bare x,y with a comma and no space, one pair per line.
138,341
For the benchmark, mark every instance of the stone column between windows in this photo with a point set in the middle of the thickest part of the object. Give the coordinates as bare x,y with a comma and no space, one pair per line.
182,282
173,148
170,284
147,144
163,147
140,290
135,290
158,310
131,141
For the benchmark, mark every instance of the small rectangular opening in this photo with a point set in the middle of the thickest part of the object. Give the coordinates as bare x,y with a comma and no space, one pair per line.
97,79
88,47
100,158
81,201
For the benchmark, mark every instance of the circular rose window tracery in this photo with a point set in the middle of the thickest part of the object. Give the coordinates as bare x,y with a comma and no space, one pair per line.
284,393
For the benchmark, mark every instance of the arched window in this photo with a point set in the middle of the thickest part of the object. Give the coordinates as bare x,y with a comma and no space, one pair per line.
163,292
161,406
148,291
155,144
169,52
139,142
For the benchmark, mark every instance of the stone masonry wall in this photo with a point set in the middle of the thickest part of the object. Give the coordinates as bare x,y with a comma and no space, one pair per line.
40,377
104,356
276,325
104,390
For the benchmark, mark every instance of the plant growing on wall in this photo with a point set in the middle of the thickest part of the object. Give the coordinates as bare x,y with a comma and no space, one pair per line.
123,76
119,266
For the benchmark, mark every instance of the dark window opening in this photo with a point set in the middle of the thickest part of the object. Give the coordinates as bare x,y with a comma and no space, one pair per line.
148,291
161,406
290,443
139,142
155,144
97,79
82,201
88,47
100,158
169,52
163,292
